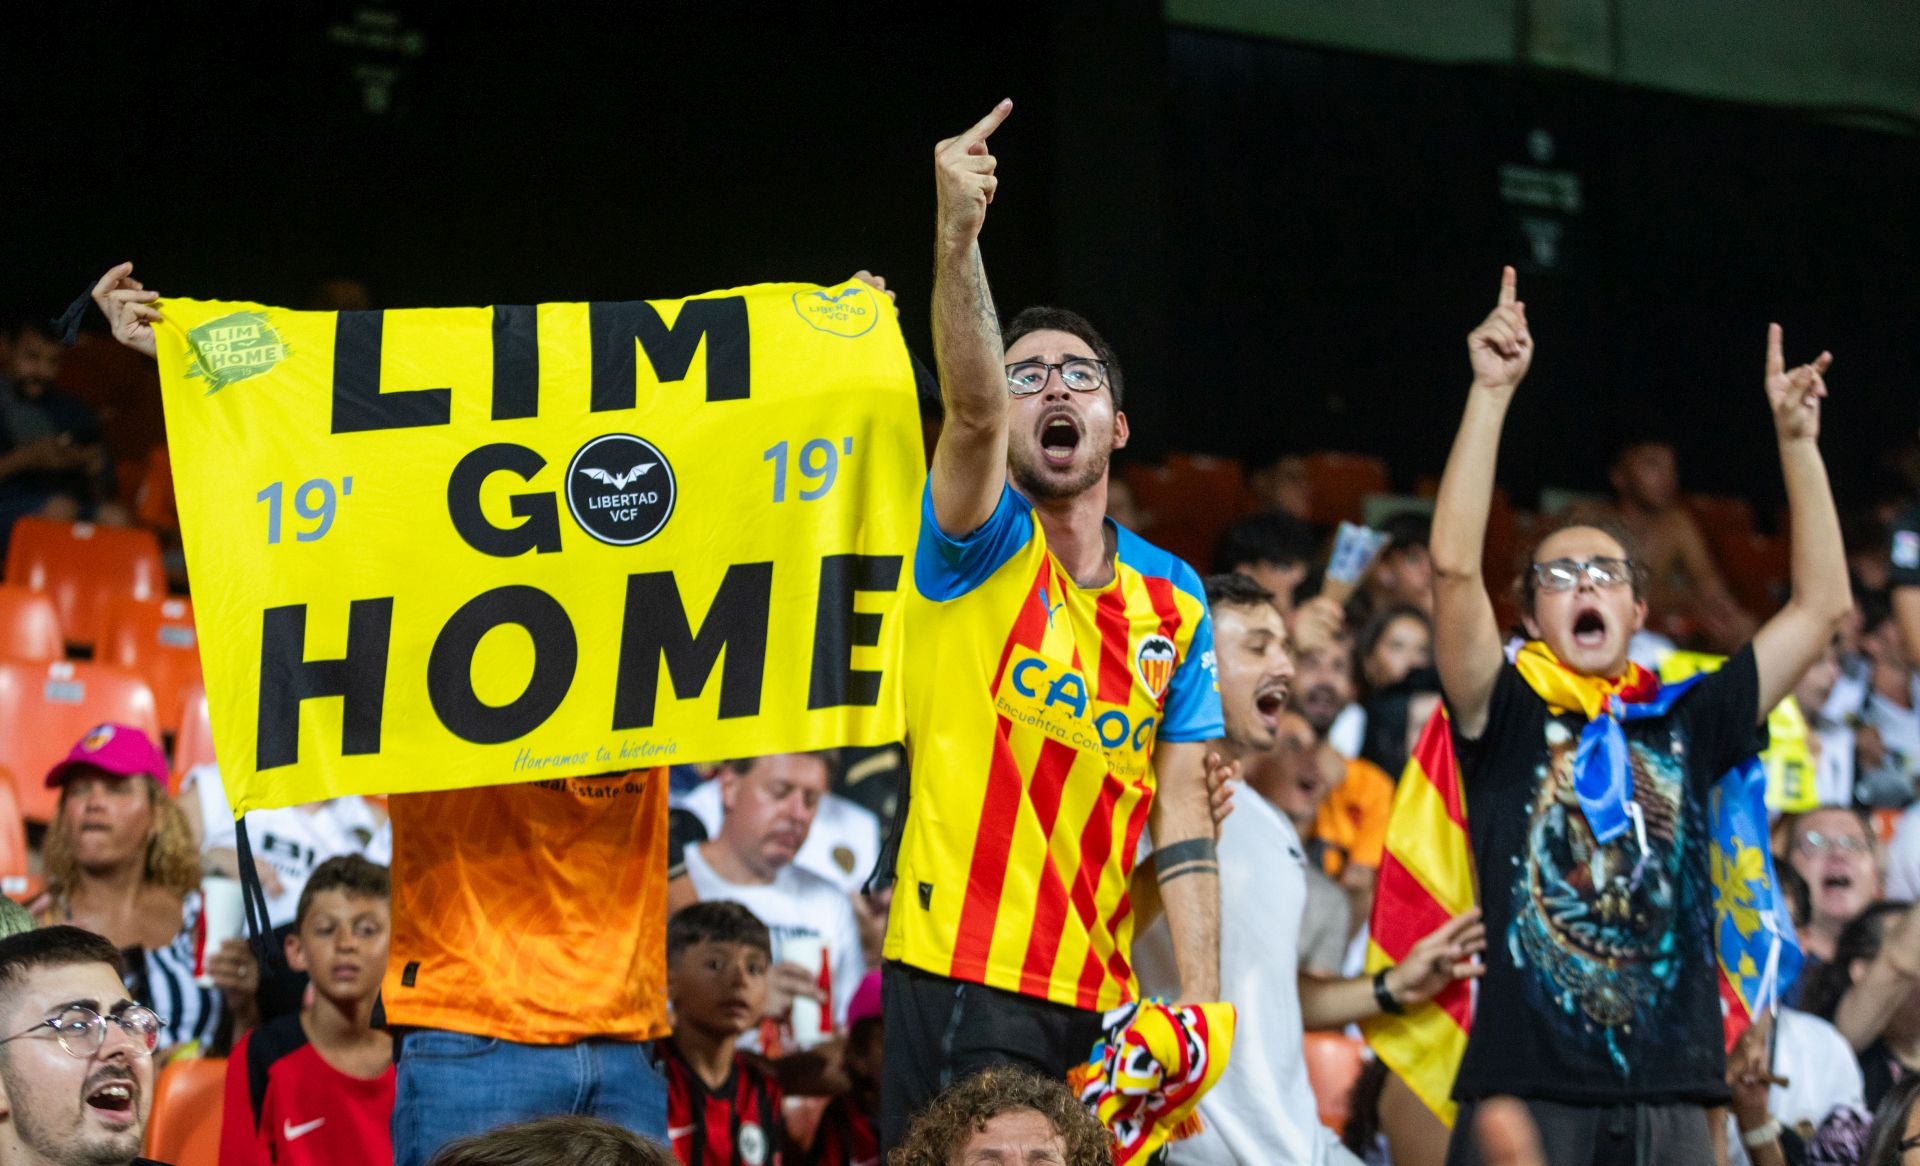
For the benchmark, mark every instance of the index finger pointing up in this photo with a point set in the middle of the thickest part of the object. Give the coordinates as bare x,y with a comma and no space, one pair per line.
1509,285
1776,363
989,123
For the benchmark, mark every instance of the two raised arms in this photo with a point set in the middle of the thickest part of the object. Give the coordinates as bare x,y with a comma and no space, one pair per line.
1467,637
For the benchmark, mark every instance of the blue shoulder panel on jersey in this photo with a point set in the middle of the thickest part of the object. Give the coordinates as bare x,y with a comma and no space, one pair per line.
1191,709
946,568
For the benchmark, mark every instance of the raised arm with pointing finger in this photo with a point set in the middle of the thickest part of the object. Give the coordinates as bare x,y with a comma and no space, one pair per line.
970,463
1060,694
1467,645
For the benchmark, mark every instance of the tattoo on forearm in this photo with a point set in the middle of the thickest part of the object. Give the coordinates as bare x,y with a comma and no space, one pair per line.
1175,853
1199,866
989,316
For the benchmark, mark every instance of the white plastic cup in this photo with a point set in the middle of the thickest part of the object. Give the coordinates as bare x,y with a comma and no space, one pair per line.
808,1020
223,916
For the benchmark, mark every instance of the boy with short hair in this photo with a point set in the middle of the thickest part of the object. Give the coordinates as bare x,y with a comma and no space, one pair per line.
722,1109
317,1086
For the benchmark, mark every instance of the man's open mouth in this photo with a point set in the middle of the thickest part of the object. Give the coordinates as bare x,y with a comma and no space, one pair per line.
1269,701
1589,628
1059,438
113,1097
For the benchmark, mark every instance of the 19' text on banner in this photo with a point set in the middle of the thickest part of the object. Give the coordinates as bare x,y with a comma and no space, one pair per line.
451,547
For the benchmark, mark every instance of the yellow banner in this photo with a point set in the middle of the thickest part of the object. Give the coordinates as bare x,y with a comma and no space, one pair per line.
1788,759
453,547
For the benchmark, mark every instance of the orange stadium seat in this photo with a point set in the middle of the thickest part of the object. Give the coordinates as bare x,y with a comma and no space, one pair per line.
1720,515
1340,483
1192,498
83,567
1334,1062
156,640
188,1101
46,708
29,625
17,880
153,504
1756,568
193,741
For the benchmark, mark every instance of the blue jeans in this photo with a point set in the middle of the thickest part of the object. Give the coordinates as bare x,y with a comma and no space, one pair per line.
451,1084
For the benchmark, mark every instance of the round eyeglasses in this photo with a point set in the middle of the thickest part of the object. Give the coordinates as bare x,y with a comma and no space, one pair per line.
83,1032
1081,374
1565,574
1816,843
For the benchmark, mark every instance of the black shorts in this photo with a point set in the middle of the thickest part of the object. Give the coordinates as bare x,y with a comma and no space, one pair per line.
1603,1135
939,1031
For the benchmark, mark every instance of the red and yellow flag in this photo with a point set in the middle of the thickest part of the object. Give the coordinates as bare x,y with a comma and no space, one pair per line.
1426,878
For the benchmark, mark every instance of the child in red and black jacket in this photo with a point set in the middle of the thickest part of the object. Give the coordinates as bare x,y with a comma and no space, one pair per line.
722,1109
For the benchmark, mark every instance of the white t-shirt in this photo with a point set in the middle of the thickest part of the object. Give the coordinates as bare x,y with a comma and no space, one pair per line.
1262,1110
1348,733
1820,1069
1903,857
797,903
842,845
292,840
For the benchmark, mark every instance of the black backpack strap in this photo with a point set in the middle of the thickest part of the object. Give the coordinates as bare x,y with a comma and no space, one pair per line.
270,1042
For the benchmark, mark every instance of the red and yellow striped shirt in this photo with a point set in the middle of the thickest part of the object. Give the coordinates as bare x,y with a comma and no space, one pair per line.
1033,706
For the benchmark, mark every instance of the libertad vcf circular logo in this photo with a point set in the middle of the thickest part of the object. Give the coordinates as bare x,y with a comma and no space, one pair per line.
620,489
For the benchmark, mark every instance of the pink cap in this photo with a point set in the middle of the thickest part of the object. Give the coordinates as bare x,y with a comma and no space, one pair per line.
866,999
117,749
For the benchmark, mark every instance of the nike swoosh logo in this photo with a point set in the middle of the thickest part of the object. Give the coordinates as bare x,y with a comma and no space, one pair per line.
675,1133
293,1132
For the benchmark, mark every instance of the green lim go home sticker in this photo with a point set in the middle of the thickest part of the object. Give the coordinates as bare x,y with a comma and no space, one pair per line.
233,348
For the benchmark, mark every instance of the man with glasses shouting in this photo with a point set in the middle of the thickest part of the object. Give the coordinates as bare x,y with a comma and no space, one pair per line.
1586,790
76,1054
1060,695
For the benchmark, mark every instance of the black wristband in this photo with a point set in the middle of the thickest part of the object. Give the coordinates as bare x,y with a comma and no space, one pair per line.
1383,995
1192,850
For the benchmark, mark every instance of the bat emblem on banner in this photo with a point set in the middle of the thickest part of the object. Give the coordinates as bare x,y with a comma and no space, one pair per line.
617,481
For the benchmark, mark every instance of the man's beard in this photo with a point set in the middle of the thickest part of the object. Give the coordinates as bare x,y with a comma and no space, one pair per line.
1034,483
1310,703
73,1146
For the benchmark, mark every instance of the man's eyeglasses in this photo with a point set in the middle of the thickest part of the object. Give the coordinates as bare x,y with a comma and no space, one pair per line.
83,1032
1816,843
1082,375
1565,574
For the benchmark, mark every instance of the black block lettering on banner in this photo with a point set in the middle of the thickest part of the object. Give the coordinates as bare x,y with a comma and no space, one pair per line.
656,625
358,404
838,629
516,362
287,678
541,529
556,654
615,326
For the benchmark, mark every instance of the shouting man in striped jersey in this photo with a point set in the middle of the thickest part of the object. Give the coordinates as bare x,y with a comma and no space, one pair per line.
1060,697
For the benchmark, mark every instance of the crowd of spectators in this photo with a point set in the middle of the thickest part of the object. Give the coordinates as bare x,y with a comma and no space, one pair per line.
448,971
